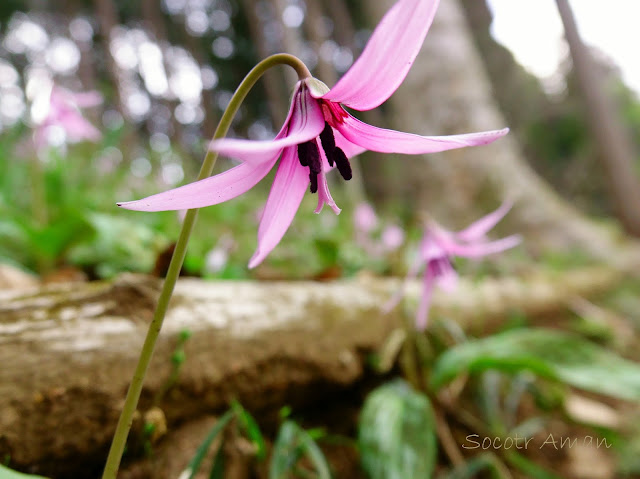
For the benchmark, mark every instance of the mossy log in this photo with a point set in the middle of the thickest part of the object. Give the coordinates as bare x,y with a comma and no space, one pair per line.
68,351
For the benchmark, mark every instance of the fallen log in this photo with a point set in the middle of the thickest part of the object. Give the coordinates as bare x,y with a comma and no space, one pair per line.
68,350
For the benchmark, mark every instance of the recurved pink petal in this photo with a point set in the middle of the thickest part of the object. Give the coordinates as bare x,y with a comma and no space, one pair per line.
304,122
87,99
289,186
481,227
387,57
79,128
445,276
324,196
390,141
476,250
350,149
434,243
210,191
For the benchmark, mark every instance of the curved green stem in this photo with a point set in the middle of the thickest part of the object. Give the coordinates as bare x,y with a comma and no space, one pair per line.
133,394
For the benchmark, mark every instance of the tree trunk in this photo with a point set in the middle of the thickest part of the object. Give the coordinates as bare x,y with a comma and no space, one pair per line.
616,148
155,24
272,79
108,17
447,92
313,23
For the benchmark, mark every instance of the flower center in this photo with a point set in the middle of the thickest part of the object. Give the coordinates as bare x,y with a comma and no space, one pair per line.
309,156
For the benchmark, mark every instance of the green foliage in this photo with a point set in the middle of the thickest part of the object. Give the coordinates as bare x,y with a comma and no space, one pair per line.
293,444
529,468
397,433
118,244
81,225
217,469
251,429
551,354
201,452
470,469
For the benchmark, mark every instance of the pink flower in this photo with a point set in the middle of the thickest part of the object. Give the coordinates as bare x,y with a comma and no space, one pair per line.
392,238
365,219
439,246
319,133
62,110
365,222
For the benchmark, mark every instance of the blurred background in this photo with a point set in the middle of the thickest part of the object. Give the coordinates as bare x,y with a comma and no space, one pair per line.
166,70
103,101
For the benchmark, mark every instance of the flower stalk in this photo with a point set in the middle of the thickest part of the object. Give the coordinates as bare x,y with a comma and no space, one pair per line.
133,394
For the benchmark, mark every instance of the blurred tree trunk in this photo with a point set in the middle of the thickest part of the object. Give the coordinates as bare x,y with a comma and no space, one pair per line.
272,79
108,18
616,148
315,30
343,29
86,67
447,92
291,40
155,23
194,45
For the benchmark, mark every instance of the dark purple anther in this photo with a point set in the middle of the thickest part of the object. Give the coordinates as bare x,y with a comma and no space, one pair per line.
308,153
328,142
342,163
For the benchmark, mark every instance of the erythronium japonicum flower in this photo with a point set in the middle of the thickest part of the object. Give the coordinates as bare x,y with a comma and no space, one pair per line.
439,246
319,133
365,222
60,108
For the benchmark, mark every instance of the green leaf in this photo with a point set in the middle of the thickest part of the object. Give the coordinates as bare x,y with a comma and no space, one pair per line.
530,468
290,446
397,433
471,468
6,473
53,240
285,451
251,428
314,454
119,244
551,354
194,464
217,468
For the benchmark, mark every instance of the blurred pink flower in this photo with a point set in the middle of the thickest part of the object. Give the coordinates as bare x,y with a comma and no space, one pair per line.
392,238
365,219
365,222
62,110
319,133
437,249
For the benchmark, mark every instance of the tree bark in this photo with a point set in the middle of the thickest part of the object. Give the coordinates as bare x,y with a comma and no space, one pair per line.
616,147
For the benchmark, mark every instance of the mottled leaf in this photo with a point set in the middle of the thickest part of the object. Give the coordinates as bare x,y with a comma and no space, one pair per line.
551,354
397,433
